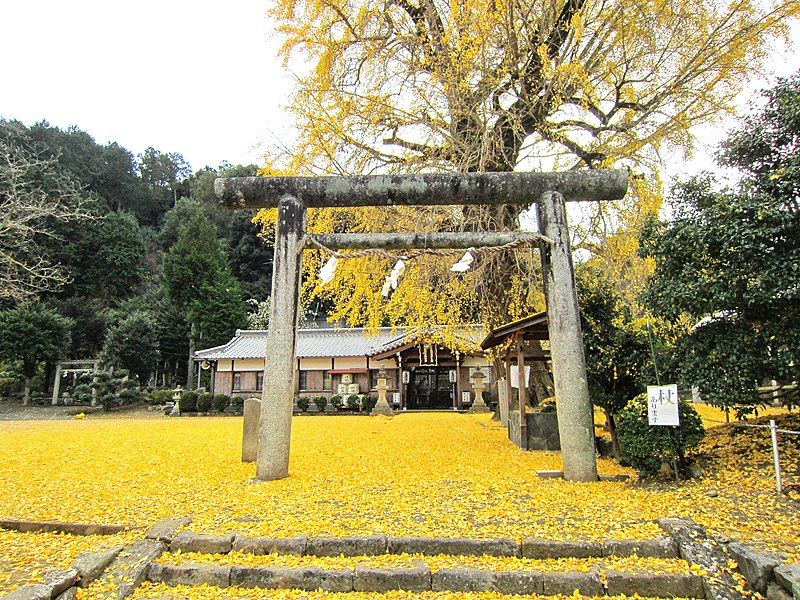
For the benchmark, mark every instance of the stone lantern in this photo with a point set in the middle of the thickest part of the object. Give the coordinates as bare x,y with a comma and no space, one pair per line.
478,405
382,406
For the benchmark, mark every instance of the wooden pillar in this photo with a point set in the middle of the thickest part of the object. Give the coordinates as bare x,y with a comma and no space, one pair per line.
278,394
57,384
575,418
458,403
507,383
523,394
401,387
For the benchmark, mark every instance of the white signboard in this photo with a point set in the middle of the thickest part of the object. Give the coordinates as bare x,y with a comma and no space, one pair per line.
515,376
662,405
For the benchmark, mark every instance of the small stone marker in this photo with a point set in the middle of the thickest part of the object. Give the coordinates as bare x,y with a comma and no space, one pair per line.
252,417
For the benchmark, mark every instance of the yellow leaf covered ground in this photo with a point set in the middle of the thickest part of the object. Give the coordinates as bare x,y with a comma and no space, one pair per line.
434,474
161,591
24,557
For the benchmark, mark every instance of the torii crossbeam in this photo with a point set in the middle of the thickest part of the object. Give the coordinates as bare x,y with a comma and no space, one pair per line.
549,191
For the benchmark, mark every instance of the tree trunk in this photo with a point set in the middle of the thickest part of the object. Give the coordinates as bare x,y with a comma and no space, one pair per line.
611,424
26,397
190,367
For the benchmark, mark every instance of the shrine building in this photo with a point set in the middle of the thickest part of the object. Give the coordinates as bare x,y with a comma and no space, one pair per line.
427,370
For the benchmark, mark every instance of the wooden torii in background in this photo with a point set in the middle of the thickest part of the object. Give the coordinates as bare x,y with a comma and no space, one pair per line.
293,195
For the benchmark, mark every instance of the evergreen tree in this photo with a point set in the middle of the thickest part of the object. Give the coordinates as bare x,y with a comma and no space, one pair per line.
132,344
729,261
32,334
199,283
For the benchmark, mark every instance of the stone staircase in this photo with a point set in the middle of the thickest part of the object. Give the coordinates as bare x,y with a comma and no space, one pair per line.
685,563
380,564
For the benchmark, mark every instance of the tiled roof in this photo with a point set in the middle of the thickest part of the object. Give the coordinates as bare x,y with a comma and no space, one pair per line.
311,343
470,335
315,343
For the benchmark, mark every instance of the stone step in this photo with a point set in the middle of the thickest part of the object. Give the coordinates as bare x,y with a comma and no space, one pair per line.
419,577
189,541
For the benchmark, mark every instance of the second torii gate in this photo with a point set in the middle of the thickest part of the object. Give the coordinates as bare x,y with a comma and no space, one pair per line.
293,195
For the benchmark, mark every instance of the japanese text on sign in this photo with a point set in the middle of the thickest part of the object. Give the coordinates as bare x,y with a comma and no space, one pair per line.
662,405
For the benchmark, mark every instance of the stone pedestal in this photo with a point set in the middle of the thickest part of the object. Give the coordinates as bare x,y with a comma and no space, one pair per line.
382,406
252,416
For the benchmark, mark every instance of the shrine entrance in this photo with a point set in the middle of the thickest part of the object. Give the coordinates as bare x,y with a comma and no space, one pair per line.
431,389
293,196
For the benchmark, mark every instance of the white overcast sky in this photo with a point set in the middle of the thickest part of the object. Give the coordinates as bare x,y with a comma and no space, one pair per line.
196,77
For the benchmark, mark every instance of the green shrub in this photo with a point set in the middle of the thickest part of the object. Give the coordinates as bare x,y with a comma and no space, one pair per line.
221,402
303,402
337,401
160,397
188,402
368,403
320,401
353,402
645,448
109,389
205,402
237,402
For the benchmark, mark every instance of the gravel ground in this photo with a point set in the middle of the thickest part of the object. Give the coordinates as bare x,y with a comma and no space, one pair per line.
13,411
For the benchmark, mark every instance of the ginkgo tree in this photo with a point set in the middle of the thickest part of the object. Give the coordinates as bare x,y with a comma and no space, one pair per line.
498,85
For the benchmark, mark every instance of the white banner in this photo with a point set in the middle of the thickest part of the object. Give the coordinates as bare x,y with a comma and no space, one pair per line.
662,405
515,376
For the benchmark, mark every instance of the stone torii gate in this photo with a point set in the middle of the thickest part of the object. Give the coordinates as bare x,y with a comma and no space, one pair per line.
293,195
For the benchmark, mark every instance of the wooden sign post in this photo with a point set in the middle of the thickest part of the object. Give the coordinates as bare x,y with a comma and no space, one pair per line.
293,195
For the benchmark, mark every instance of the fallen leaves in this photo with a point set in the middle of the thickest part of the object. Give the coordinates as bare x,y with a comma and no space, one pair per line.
424,474
205,592
25,557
